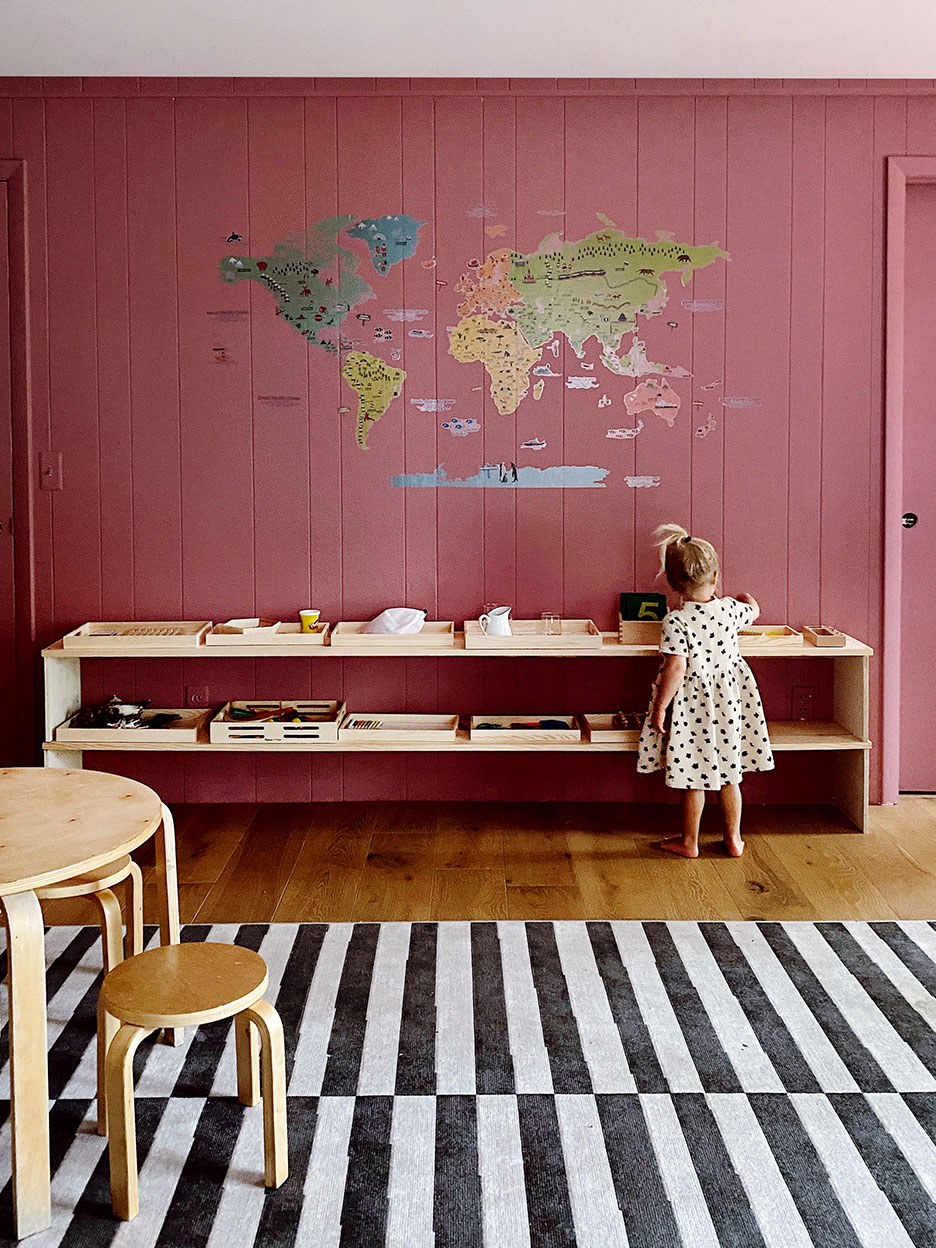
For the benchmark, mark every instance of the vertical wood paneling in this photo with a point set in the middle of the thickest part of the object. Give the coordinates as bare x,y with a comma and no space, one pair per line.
6,127
847,364
757,338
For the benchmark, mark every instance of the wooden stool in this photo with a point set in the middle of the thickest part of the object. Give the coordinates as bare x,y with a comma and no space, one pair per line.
98,886
184,986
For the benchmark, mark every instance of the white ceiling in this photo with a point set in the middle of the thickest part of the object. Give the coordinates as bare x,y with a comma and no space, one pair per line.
453,38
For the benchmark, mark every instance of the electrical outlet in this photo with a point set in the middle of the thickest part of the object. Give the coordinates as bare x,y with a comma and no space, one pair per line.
803,702
196,695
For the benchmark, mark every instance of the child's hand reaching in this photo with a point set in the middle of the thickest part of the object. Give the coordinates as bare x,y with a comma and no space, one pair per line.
751,602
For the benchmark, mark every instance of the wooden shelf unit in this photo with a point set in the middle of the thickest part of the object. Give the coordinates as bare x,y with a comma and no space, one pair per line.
845,737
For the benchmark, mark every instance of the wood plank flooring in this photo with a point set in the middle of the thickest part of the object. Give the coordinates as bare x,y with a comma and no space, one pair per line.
410,860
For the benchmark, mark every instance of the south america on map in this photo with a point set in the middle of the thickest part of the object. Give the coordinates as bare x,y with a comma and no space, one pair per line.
376,384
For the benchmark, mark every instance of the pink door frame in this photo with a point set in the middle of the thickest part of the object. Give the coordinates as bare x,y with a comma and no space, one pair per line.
28,689
901,171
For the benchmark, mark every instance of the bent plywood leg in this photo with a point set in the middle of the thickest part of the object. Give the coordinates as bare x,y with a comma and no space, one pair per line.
111,927
29,1072
273,1085
121,1120
167,890
134,906
247,1047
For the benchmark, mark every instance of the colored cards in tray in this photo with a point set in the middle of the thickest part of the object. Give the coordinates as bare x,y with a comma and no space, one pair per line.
532,635
266,633
374,728
185,728
524,729
137,634
433,635
775,633
277,722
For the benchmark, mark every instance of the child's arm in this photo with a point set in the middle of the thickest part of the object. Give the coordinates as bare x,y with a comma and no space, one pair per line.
752,602
671,677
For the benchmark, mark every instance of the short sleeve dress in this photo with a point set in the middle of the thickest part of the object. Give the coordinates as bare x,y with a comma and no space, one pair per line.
717,727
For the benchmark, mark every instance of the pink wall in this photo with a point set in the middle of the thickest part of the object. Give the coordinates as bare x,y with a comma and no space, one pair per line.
185,497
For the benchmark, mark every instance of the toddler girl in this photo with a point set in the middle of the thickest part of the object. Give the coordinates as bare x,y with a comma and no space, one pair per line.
717,728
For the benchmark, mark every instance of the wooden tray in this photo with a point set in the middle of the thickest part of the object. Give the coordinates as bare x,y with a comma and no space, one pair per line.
531,635
138,634
779,633
602,728
224,729
523,736
639,632
398,728
187,729
286,635
820,635
432,635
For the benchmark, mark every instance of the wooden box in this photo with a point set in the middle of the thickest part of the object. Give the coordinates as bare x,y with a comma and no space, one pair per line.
532,635
820,635
608,728
138,635
433,635
185,731
639,632
523,736
285,635
779,634
397,728
325,728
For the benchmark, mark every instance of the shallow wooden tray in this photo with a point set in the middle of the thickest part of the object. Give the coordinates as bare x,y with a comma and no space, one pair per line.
432,635
600,727
286,635
224,729
770,633
532,635
138,633
523,736
187,729
820,635
398,727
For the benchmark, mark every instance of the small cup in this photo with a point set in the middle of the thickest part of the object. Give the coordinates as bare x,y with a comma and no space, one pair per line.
552,624
308,620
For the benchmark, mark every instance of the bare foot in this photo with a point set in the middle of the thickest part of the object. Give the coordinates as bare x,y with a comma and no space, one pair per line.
734,846
678,846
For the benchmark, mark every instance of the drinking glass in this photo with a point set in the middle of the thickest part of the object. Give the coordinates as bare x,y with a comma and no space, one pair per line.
552,623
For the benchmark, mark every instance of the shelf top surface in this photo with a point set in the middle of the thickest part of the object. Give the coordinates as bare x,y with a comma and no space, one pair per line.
610,647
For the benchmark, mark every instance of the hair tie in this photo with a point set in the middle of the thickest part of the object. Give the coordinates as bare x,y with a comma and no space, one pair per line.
687,538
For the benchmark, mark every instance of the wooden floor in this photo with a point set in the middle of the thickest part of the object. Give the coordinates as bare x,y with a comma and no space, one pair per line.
380,861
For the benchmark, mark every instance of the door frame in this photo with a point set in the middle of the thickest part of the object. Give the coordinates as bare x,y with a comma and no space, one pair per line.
901,172
13,173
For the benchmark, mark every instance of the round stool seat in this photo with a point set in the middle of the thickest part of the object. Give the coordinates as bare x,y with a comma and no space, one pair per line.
184,985
90,882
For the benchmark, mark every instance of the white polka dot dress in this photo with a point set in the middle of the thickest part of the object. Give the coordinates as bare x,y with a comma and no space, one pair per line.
717,727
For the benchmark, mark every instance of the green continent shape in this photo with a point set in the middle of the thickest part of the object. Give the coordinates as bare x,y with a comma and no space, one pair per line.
308,299
504,352
596,286
376,384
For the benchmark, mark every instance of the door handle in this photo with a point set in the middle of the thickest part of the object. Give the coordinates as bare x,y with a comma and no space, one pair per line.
909,519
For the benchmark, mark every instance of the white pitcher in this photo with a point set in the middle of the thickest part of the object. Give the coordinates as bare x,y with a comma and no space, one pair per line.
496,622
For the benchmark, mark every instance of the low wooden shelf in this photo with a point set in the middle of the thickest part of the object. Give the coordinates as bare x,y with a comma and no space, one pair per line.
845,737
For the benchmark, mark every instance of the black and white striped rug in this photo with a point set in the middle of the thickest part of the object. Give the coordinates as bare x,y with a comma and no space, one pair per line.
498,1085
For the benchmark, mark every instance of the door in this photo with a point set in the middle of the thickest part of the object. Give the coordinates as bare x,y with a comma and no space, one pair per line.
918,554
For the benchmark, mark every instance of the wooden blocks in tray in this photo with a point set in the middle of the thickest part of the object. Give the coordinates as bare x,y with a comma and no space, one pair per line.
621,726
289,636
532,635
433,635
377,727
527,732
141,633
187,729
323,726
820,635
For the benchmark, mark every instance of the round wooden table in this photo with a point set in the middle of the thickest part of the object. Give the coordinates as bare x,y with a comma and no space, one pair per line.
54,824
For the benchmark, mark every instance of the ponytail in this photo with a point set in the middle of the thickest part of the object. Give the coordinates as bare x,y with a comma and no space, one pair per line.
687,562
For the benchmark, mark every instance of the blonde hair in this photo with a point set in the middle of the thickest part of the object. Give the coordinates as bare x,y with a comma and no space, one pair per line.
687,562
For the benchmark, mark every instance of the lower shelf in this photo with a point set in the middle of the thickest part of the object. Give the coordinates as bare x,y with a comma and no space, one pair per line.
784,735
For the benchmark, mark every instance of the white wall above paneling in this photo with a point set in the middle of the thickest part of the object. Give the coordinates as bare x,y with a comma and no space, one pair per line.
445,38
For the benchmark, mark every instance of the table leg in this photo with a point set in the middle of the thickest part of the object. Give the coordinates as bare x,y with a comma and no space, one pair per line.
167,890
29,1071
